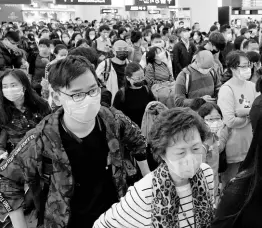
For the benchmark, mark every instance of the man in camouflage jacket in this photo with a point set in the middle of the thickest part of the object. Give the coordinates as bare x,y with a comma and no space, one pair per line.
24,164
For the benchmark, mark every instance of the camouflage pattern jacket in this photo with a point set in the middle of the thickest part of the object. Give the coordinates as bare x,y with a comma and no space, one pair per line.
24,164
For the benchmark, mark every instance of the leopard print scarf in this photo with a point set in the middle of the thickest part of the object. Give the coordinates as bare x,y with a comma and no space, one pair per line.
165,205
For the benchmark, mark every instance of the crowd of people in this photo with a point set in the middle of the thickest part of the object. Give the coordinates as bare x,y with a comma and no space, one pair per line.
134,123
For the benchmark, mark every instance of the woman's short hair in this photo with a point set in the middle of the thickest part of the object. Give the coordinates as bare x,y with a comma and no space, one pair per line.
233,59
207,108
59,47
132,68
170,125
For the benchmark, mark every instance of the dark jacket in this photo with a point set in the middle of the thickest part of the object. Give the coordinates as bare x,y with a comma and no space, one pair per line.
9,59
182,57
223,54
25,164
256,111
232,202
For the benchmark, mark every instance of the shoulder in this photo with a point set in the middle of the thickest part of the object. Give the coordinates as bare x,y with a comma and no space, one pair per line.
207,170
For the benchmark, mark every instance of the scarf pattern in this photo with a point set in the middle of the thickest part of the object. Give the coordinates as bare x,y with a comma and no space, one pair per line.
166,202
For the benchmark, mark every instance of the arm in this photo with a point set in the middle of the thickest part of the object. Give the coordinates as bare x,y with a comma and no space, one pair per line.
133,210
217,83
209,175
143,61
118,104
150,75
134,141
176,65
180,90
19,168
18,219
223,137
227,105
99,70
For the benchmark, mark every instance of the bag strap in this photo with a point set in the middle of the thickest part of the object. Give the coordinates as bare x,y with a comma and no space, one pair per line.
108,66
47,170
188,79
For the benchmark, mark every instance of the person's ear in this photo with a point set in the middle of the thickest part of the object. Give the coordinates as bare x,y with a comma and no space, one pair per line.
56,97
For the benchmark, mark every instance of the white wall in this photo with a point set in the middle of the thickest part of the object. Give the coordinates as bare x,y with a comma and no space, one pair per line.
203,11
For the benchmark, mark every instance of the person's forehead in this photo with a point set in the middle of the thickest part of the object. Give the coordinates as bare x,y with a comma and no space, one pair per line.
9,79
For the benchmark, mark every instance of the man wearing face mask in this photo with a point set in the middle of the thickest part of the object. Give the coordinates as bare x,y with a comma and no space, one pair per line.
10,55
112,71
253,32
199,79
227,33
183,51
84,142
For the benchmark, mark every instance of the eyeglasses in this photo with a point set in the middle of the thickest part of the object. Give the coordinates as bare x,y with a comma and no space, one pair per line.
81,96
249,65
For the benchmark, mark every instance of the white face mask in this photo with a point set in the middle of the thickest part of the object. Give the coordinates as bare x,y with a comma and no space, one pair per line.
186,167
13,94
83,111
244,74
215,126
92,37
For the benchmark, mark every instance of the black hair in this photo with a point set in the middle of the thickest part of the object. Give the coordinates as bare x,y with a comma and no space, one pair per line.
45,42
207,108
197,103
83,41
59,47
88,53
247,42
218,40
121,30
74,36
146,32
238,41
199,34
224,28
165,31
31,99
181,22
104,27
87,33
252,26
233,60
155,36
135,36
13,35
64,71
151,55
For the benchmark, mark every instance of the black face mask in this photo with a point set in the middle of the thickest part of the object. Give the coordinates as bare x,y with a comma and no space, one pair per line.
139,83
214,52
122,55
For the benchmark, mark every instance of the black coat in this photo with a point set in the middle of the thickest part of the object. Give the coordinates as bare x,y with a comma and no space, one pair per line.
182,57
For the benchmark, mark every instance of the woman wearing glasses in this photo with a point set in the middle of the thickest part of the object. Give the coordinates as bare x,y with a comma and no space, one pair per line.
235,99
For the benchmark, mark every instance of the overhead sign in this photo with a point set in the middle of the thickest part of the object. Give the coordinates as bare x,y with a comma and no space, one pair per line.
83,2
136,8
154,12
15,1
156,2
11,13
109,11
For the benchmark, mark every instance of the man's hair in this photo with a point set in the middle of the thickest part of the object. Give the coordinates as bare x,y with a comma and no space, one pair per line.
218,40
59,47
88,53
170,125
181,22
135,36
233,59
121,30
104,27
45,41
13,35
238,41
247,42
224,28
63,72
155,36
252,26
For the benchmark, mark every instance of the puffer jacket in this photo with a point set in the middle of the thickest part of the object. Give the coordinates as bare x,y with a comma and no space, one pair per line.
25,164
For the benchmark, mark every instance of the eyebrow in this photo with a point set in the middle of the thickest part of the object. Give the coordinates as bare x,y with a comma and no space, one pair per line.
80,90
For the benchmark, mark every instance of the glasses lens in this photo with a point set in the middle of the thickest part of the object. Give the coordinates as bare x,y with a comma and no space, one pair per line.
94,92
79,97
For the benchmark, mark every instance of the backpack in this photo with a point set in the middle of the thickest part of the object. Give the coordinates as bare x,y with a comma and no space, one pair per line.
107,69
189,79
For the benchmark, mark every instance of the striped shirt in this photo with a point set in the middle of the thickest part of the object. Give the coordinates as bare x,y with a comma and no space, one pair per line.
157,74
134,210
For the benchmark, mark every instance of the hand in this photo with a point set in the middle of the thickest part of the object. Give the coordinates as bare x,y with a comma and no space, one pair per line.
208,98
101,57
242,112
3,154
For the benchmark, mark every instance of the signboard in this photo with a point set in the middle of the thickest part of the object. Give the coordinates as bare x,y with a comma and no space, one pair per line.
154,12
156,2
109,11
11,13
15,1
83,2
136,8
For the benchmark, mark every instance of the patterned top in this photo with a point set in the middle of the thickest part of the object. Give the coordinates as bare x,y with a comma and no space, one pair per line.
25,164
14,131
134,210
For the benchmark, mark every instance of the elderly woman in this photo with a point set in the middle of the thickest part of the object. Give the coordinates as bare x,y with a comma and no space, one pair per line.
179,193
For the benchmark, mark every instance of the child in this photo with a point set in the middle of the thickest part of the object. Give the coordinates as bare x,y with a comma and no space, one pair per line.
60,52
216,142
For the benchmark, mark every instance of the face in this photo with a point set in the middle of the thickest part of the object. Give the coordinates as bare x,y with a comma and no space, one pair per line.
45,35
65,38
104,34
157,42
253,32
84,83
137,79
44,51
197,27
228,35
92,35
247,35
185,145
10,81
243,65
78,37
185,35
62,54
213,116
181,25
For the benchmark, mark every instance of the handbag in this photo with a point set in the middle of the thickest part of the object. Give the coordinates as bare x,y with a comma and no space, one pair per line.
222,162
